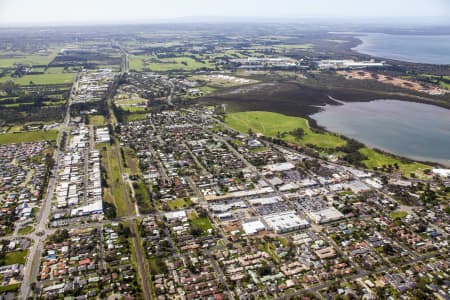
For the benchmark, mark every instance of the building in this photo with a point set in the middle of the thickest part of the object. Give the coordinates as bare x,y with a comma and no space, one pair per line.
285,222
348,64
326,215
253,227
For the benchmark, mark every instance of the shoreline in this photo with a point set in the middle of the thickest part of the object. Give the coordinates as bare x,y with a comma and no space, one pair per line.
367,48
413,158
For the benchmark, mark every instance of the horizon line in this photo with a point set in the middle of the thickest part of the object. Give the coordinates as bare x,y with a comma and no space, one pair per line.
404,20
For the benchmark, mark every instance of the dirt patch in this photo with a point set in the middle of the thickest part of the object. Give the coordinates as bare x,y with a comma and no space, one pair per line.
395,81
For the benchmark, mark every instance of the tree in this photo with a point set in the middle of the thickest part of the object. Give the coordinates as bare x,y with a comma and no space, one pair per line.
11,88
298,133
264,270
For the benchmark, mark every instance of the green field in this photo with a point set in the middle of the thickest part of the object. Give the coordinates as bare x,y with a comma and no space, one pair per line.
16,257
179,203
201,223
42,79
377,160
156,265
111,165
26,58
26,230
398,214
31,136
271,124
166,64
295,46
97,120
136,117
10,288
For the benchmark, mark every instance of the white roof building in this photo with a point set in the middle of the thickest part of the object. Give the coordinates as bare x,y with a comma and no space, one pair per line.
325,215
280,167
175,215
253,227
285,222
442,172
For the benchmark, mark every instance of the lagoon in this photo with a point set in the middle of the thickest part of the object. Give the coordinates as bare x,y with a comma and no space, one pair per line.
414,130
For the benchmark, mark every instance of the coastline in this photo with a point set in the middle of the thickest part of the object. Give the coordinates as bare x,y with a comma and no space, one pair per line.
398,154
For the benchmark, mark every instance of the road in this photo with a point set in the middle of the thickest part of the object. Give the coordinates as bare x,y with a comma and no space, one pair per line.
31,267
170,96
124,65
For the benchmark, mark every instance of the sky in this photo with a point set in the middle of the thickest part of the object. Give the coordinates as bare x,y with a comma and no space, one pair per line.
137,11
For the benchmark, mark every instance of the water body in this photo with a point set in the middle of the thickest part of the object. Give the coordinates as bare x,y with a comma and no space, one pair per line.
429,49
414,130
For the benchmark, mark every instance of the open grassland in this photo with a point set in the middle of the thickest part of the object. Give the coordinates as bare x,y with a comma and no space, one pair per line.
111,165
10,288
398,214
273,124
179,203
131,161
48,78
136,117
166,64
9,59
295,46
378,160
26,230
201,224
97,120
31,136
16,257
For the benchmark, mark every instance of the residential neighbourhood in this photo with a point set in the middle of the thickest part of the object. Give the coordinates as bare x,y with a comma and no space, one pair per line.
139,191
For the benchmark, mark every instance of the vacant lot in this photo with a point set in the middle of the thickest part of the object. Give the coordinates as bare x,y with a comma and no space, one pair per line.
97,120
274,124
179,203
116,191
16,257
202,224
31,136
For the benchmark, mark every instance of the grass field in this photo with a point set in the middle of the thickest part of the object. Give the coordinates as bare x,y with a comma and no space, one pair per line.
26,230
202,223
97,120
398,214
166,64
133,109
26,58
42,79
179,203
10,288
16,257
295,46
31,136
156,265
114,181
131,161
377,160
270,124
136,117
